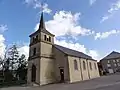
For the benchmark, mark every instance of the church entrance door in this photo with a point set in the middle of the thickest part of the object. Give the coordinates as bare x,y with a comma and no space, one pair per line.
33,73
62,75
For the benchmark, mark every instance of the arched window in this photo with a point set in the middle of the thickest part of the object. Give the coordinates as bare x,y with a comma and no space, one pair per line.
34,51
49,39
33,73
95,66
36,38
75,65
90,65
45,37
84,66
33,40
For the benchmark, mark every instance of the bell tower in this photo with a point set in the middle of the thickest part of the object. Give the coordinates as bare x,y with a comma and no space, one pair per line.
41,56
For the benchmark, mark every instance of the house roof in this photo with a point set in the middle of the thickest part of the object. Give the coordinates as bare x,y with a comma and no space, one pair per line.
72,52
112,55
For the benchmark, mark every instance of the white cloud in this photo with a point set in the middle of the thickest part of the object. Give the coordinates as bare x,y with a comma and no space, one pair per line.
106,34
78,47
65,22
105,18
114,7
94,54
38,5
29,1
3,28
44,7
24,50
2,45
92,2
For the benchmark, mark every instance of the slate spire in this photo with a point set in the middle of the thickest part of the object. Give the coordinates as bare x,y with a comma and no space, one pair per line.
42,24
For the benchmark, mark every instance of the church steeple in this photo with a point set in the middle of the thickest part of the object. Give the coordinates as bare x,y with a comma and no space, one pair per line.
42,24
42,27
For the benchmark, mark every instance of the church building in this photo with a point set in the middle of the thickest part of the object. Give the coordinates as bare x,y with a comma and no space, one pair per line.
51,63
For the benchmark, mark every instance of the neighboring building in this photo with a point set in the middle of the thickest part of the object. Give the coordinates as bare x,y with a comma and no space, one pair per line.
100,69
51,63
111,63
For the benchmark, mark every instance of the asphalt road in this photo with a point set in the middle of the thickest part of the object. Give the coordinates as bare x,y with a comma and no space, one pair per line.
111,82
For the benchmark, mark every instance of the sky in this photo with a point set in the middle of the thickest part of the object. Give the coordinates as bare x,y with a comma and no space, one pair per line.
89,26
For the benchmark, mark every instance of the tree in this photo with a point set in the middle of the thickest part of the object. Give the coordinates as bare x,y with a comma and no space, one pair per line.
13,56
22,61
1,70
1,63
7,73
6,65
22,70
14,65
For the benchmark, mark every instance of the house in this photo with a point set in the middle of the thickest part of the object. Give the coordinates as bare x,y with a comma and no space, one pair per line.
111,63
51,63
100,69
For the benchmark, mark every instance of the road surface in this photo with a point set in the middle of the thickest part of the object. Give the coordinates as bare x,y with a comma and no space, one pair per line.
111,82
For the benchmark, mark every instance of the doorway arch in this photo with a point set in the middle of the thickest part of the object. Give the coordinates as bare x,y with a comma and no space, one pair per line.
33,73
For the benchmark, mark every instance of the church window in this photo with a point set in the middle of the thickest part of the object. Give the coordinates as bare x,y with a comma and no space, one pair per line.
118,64
115,64
34,51
49,39
36,37
33,39
108,61
75,65
45,37
117,60
84,66
108,65
95,66
90,65
113,60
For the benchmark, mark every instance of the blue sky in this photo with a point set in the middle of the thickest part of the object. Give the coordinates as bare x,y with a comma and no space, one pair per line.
89,26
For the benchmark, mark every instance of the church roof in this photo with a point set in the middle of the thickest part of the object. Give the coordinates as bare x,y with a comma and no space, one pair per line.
42,27
47,32
42,23
72,52
112,55
42,30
